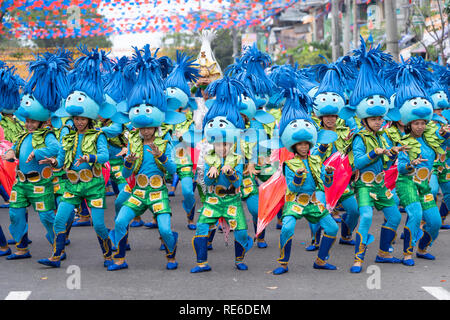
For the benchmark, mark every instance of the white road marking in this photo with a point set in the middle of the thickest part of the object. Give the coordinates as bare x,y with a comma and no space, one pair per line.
18,295
438,292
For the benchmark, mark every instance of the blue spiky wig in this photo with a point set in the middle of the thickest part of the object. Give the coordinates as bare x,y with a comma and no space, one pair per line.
149,85
228,93
410,77
332,78
185,71
10,84
88,73
115,85
368,82
298,104
48,82
255,62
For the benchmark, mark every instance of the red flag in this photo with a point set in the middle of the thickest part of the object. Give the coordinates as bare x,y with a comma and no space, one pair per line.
342,175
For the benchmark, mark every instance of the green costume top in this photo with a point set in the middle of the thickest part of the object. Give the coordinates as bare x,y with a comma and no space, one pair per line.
270,127
13,128
37,140
88,146
315,165
136,146
429,136
371,143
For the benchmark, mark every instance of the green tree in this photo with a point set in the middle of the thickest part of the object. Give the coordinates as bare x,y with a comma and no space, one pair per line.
306,53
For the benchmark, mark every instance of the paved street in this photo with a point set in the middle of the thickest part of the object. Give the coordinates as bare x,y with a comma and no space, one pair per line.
147,277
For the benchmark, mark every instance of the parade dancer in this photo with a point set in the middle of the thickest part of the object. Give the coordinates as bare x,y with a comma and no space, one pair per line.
178,98
305,174
424,144
83,153
441,172
249,70
148,158
372,155
328,102
43,95
222,127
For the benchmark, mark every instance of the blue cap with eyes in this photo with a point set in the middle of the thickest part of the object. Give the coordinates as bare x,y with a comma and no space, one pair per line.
411,99
369,98
223,121
10,84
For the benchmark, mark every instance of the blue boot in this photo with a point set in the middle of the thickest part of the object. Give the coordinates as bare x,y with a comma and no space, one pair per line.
346,235
387,236
408,247
360,251
50,263
280,270
5,252
239,251
323,254
115,267
424,242
199,243
315,242
211,234
175,181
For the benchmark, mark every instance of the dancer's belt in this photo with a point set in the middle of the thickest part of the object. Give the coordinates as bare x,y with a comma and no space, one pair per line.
303,198
421,174
155,181
221,191
84,175
35,176
369,177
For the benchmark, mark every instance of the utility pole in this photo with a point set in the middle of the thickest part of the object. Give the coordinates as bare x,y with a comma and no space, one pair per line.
335,29
355,25
346,35
390,11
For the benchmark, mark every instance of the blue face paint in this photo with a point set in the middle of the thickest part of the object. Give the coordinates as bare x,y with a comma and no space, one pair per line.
297,131
415,109
145,115
30,108
373,106
328,103
176,98
80,104
219,129
440,100
247,106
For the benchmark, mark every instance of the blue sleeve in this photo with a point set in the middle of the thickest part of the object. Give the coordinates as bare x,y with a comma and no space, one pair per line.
167,161
319,150
63,132
294,182
445,138
102,155
404,164
60,158
128,167
361,158
327,178
208,180
51,149
236,178
112,130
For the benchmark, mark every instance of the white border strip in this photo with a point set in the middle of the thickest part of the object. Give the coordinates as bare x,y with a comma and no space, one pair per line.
18,295
438,292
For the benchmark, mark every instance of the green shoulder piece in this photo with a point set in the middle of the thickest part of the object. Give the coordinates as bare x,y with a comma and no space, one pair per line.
70,145
393,134
413,144
13,128
136,147
247,148
431,138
